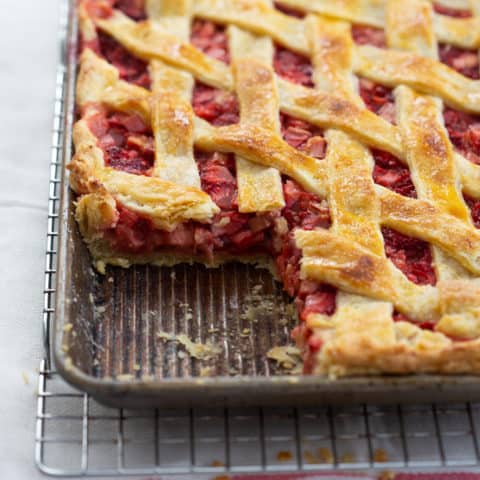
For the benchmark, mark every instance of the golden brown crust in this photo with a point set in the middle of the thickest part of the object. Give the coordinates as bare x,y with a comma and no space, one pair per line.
317,107
428,144
259,187
422,219
462,32
150,43
339,261
258,17
366,343
266,148
166,203
98,82
361,336
173,125
423,74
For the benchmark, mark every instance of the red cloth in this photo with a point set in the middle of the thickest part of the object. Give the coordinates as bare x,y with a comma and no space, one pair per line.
354,476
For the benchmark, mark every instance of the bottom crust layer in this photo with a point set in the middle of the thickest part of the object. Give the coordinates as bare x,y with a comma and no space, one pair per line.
103,256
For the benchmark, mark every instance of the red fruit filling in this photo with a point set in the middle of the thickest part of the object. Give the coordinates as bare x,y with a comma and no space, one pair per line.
464,132
366,35
218,107
230,231
303,209
126,141
290,11
451,12
310,344
217,173
211,39
99,8
310,297
389,172
303,136
378,99
474,205
292,66
462,60
135,9
131,68
410,255
400,317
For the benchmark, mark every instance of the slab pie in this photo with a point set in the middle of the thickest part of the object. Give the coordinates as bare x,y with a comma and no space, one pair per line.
337,142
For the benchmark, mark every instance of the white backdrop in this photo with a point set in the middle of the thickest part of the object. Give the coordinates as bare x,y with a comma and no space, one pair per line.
28,42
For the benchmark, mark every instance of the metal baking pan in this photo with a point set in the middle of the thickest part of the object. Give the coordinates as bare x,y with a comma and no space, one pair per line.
109,337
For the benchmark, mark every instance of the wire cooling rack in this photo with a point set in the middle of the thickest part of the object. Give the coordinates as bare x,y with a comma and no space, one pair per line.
76,436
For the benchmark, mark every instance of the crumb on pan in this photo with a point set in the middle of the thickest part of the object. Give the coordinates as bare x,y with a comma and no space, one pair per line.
100,267
325,455
207,371
287,357
201,351
347,458
284,456
258,304
245,332
322,455
380,455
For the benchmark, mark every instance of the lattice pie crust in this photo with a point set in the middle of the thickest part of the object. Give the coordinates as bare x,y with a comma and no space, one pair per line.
145,156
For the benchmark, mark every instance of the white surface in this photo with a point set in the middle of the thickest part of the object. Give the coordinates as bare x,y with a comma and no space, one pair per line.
28,43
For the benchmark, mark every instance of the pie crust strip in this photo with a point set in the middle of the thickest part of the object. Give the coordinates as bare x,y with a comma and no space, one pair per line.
259,186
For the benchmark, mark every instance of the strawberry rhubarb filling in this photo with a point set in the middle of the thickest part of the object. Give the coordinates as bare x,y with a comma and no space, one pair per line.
462,60
211,39
135,9
130,68
451,12
288,10
463,128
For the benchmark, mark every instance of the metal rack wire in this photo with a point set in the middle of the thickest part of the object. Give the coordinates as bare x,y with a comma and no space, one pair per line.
56,166
76,436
